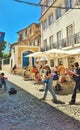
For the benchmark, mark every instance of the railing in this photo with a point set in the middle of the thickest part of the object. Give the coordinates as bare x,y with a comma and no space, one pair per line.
66,42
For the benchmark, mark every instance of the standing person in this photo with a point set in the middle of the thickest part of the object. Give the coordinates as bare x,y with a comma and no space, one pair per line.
49,82
76,77
24,73
2,81
14,69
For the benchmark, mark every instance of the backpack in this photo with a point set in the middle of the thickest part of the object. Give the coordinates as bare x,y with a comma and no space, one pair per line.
76,78
55,76
78,71
12,91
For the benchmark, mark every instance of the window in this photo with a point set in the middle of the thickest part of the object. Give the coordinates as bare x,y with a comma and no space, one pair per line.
43,8
50,19
70,37
34,43
69,30
44,25
25,33
58,13
68,4
59,39
50,2
60,61
38,42
20,37
30,31
45,44
71,61
50,41
52,63
30,44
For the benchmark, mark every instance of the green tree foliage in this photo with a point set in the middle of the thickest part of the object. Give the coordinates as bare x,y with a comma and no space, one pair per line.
7,54
2,48
6,57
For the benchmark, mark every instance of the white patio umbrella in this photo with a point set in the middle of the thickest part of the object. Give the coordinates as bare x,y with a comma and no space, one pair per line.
36,55
43,59
74,52
53,53
56,53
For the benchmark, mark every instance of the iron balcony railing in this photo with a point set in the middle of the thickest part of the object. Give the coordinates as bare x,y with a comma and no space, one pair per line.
66,42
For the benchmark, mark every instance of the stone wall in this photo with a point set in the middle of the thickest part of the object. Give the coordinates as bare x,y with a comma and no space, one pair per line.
6,68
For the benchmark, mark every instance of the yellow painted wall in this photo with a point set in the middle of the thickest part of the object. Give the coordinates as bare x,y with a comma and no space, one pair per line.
23,49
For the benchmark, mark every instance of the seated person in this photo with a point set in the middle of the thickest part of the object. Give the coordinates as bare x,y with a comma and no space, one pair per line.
34,70
2,81
37,77
56,81
68,74
61,71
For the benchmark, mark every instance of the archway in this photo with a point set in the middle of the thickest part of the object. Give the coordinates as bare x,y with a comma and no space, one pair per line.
26,59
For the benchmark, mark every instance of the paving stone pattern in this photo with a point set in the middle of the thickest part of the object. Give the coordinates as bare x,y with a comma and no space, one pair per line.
24,110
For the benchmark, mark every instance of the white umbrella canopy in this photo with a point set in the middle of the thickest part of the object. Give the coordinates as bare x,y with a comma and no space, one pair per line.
53,53
74,52
43,58
36,55
56,53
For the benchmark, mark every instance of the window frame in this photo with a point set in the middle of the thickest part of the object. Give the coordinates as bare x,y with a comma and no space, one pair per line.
58,13
50,19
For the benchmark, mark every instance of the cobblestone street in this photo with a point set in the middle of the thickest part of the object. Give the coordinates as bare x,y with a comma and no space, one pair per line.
24,110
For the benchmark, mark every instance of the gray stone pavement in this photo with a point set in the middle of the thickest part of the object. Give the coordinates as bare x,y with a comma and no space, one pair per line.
24,111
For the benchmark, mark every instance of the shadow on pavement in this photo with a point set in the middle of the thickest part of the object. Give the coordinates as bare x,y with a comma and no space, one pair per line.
23,111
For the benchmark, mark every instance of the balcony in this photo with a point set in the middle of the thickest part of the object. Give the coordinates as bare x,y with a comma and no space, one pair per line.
77,2
63,43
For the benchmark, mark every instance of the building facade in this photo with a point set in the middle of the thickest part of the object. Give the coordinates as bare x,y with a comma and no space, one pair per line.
60,26
29,40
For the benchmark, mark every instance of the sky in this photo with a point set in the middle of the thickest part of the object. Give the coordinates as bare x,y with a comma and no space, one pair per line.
15,16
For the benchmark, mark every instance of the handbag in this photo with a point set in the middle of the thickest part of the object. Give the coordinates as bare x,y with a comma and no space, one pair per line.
76,78
12,91
46,81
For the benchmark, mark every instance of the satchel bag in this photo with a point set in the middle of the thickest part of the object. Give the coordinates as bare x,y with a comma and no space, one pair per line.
76,78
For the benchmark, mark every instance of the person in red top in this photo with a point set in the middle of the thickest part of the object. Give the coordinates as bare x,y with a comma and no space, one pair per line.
37,77
34,69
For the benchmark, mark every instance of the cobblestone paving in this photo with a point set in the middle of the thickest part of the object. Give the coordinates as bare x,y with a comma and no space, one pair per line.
24,111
